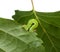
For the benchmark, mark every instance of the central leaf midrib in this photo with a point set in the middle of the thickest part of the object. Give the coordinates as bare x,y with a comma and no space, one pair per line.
44,30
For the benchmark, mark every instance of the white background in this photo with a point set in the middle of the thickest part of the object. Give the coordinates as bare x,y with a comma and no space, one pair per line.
7,7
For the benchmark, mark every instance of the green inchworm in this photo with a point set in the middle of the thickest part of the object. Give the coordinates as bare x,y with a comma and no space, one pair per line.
31,25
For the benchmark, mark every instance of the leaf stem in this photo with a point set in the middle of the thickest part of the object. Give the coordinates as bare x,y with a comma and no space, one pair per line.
32,4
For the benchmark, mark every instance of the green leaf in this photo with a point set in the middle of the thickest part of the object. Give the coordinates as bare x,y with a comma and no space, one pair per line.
48,29
1,50
14,38
23,17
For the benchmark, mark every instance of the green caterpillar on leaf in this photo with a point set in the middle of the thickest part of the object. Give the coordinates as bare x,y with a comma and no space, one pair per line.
31,25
